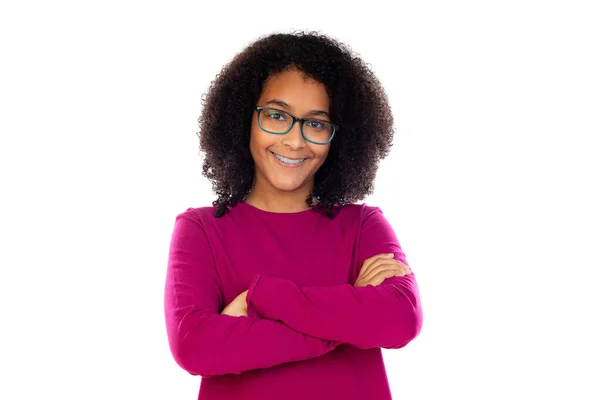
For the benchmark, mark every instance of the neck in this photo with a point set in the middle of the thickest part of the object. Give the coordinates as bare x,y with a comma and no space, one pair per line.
279,201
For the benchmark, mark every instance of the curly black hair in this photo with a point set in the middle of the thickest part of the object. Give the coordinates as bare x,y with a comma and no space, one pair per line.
358,104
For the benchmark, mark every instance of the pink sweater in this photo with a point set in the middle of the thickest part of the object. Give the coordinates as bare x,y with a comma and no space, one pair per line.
309,334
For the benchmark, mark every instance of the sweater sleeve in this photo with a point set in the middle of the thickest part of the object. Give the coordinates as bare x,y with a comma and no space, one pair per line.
204,342
388,315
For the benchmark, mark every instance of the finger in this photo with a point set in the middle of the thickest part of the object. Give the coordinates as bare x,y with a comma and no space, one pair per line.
392,267
379,277
371,262
381,263
403,271
405,268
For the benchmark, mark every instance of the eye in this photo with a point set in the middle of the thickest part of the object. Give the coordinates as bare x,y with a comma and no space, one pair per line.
275,115
314,123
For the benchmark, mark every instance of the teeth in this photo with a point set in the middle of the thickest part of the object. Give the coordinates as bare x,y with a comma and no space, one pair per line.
287,160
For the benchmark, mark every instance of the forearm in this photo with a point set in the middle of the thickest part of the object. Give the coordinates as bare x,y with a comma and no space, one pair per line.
212,344
388,315
203,341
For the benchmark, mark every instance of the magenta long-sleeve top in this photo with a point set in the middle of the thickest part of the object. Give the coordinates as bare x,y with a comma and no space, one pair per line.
309,334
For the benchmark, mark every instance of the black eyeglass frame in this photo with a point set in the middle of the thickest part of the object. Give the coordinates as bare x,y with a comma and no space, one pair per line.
294,120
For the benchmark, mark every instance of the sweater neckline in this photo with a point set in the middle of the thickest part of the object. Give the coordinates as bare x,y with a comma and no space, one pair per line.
264,212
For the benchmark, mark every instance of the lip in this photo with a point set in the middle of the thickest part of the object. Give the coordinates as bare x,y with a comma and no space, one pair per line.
287,165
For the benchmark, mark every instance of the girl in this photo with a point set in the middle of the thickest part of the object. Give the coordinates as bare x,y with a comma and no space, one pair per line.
285,288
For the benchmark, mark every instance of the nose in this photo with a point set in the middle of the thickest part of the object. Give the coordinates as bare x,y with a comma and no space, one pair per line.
294,138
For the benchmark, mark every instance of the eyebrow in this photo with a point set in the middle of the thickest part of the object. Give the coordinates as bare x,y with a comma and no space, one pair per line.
283,104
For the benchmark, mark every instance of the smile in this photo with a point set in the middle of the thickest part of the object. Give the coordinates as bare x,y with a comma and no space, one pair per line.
288,162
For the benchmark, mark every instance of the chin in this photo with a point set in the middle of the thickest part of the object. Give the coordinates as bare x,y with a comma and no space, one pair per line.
287,186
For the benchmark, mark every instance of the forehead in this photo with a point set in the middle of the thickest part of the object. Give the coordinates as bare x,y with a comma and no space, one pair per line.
297,90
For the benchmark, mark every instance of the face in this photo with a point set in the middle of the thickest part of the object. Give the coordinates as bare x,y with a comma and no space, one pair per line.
293,92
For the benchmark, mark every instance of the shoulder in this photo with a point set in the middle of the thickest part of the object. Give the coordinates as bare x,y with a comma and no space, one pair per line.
198,212
360,212
358,217
199,215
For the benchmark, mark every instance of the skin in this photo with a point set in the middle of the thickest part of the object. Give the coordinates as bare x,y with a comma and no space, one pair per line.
284,190
278,188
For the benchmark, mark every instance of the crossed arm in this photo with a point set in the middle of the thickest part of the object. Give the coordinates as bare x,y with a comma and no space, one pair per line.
296,323
388,315
202,341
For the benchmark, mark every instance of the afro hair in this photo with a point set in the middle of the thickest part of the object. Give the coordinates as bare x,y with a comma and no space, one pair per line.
358,104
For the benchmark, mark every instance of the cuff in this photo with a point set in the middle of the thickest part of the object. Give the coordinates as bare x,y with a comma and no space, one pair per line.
251,292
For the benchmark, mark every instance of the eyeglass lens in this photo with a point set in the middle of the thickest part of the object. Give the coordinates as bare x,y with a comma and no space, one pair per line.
279,122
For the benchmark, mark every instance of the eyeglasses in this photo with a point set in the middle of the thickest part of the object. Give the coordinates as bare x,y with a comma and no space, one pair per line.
280,122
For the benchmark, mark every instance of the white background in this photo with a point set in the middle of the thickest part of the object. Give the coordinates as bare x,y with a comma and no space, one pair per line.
491,186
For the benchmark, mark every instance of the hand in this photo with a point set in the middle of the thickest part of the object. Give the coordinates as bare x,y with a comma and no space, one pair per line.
237,307
378,268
